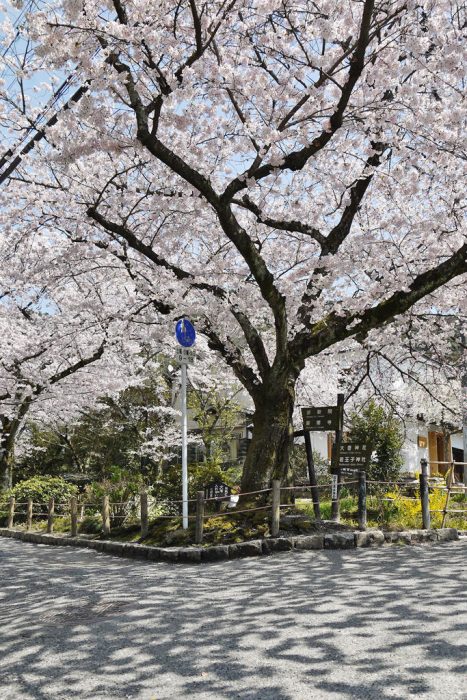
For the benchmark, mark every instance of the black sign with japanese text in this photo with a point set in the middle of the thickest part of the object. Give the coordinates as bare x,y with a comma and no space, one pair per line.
353,456
321,418
217,490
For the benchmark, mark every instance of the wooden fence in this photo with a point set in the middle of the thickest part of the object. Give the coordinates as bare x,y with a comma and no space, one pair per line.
268,499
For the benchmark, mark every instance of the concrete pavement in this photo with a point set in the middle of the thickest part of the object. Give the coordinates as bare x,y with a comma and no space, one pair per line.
376,623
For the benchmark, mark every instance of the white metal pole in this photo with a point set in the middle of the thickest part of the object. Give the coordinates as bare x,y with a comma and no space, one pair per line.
184,450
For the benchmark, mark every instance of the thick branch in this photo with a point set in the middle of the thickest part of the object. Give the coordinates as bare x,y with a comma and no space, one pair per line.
332,242
339,233
297,159
234,359
293,225
334,328
79,364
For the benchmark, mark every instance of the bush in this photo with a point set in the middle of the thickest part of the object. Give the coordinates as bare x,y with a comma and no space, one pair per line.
40,489
299,468
91,525
200,474
380,429
122,487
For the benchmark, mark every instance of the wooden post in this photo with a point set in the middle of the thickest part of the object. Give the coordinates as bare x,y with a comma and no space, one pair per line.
29,514
362,500
143,499
199,517
335,515
276,507
74,515
105,515
424,495
449,481
312,475
11,512
50,515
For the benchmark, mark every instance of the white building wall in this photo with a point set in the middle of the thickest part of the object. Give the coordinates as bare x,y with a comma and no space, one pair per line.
457,441
411,452
319,443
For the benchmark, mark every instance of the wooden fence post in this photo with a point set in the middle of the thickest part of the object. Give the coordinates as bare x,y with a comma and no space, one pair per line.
11,512
74,516
424,495
143,498
105,515
29,514
50,515
362,500
449,482
276,507
199,517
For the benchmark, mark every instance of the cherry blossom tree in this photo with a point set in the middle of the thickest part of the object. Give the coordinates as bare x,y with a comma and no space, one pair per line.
286,174
63,342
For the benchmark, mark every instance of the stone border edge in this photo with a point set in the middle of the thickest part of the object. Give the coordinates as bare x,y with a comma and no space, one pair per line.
196,555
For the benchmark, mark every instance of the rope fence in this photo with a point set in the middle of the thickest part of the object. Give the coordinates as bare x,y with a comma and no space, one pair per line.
111,513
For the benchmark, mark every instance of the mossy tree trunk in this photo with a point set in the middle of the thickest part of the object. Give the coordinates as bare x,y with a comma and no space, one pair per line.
269,451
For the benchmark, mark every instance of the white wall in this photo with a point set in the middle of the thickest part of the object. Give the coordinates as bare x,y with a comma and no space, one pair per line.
457,441
319,443
411,453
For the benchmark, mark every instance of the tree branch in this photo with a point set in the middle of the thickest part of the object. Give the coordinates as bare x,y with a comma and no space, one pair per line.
334,328
297,159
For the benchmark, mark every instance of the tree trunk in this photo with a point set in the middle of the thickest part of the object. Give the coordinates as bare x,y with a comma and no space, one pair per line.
268,453
6,472
6,456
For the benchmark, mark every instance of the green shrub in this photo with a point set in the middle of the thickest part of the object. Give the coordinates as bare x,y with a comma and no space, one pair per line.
380,429
298,466
200,474
40,489
122,487
91,525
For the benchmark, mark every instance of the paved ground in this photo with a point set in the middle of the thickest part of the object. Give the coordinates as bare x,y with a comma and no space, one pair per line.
379,624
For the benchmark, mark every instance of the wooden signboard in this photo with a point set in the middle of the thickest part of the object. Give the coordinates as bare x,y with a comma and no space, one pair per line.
321,418
217,490
353,456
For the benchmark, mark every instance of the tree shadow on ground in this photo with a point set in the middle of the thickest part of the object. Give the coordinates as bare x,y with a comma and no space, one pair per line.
360,624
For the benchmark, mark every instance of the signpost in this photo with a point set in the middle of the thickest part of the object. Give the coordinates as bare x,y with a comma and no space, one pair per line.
353,457
217,490
316,419
336,455
186,336
321,419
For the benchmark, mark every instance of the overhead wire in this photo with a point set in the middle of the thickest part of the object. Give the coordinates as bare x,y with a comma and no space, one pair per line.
13,156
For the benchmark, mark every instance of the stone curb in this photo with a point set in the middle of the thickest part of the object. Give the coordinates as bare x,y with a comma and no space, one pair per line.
252,548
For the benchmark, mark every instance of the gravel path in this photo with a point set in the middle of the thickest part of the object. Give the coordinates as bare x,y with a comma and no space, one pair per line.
365,624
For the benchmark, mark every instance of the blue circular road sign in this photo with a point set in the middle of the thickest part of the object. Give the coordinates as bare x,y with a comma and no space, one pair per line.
185,333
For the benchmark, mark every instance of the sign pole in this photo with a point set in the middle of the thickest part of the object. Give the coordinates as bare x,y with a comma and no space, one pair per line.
336,486
186,336
184,450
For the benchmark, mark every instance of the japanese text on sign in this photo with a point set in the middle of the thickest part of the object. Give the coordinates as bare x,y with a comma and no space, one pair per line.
217,490
354,455
186,355
334,487
322,418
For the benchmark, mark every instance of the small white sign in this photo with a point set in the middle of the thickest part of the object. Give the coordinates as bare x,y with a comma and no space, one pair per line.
334,487
185,355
